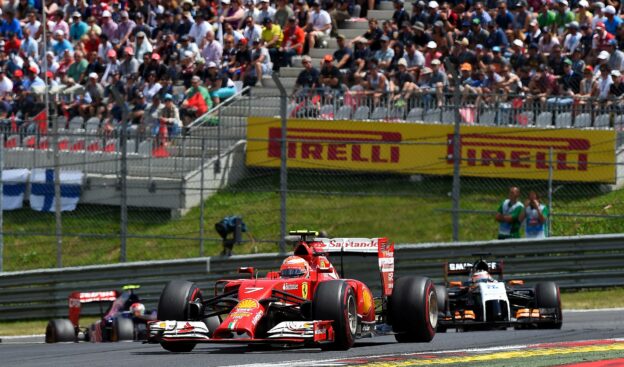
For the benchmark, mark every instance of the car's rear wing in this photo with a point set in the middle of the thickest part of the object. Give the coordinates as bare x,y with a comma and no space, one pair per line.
76,299
365,246
464,268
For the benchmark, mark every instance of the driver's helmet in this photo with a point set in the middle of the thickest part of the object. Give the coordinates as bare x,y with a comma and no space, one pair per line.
137,309
480,276
294,267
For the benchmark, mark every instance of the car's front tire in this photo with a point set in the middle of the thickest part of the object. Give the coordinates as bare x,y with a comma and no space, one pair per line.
547,296
335,300
174,305
414,309
60,330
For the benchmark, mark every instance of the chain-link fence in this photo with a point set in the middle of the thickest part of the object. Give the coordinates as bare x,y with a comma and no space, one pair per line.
358,165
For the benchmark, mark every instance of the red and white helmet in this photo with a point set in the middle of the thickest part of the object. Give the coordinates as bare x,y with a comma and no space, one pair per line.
294,267
137,309
480,276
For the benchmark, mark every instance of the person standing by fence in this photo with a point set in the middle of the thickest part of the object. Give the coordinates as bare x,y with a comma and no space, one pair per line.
535,217
508,215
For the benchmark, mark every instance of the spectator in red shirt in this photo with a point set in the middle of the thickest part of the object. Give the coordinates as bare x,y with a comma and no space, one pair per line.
294,38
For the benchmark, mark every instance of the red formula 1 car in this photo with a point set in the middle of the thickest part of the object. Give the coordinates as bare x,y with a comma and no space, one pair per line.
123,317
305,303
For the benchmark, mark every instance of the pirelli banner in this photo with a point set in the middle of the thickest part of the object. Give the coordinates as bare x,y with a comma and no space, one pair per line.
497,152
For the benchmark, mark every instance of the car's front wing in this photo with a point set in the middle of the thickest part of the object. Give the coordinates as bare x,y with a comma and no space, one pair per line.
290,332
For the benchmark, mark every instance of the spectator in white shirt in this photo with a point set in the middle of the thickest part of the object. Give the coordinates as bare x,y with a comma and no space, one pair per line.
319,24
250,11
266,11
252,31
199,28
573,38
6,85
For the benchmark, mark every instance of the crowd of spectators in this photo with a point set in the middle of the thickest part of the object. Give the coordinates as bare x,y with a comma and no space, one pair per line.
172,60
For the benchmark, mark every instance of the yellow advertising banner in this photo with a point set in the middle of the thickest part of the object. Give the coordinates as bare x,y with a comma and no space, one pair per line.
500,152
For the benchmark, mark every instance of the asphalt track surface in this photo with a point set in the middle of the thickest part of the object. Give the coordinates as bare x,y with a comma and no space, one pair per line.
577,326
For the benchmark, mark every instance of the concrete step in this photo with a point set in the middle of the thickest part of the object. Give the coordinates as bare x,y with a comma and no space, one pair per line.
263,110
351,33
290,72
261,91
321,52
381,15
386,5
356,24
287,82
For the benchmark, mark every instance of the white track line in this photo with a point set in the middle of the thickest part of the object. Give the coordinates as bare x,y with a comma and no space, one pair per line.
336,361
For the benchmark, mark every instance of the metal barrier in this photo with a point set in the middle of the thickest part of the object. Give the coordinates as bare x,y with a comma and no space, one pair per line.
573,262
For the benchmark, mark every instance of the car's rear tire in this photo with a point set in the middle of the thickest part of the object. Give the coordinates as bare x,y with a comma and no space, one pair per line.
547,296
443,306
123,329
60,330
174,305
413,309
335,300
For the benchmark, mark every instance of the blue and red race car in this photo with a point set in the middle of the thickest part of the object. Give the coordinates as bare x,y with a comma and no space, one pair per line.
305,303
123,317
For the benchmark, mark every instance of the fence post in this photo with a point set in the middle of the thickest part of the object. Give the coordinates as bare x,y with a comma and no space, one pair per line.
201,198
1,202
283,162
217,166
123,180
456,189
550,190
57,192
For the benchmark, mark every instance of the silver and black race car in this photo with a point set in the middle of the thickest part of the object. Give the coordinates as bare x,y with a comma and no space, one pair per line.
482,302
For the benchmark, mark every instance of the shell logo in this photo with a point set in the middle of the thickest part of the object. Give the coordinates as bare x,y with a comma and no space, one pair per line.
248,304
367,300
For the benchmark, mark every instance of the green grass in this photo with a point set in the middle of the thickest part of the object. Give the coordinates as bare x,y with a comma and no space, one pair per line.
343,204
585,299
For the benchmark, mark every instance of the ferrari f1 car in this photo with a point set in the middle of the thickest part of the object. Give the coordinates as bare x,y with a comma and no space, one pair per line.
124,319
483,302
305,303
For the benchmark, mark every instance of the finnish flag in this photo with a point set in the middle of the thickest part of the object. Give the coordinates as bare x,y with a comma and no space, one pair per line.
42,189
14,185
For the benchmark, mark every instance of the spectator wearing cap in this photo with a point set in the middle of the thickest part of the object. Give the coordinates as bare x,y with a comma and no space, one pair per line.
140,25
233,14
583,15
272,36
587,84
602,87
431,13
563,14
124,28
343,55
265,10
219,84
142,47
78,67
402,84
62,44
169,115
78,28
598,14
259,66
282,13
496,37
145,116
518,58
616,57
477,34
461,53
12,44
468,86
617,89
612,23
308,79
431,53
572,39
504,19
376,85
414,58
441,37
93,26
319,24
601,38
109,27
251,30
294,39
522,16
156,65
213,50
129,65
570,81
418,12
199,28
330,77
111,67
385,54
400,15
480,14
241,60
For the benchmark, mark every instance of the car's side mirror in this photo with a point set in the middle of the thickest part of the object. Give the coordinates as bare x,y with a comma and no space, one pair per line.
324,270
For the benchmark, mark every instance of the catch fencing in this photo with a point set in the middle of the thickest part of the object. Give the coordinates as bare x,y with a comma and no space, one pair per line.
573,162
572,262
